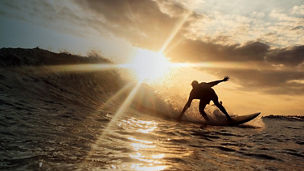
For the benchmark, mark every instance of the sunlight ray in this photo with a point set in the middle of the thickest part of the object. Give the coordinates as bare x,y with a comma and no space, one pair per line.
123,107
175,30
116,95
189,65
82,67
222,65
172,46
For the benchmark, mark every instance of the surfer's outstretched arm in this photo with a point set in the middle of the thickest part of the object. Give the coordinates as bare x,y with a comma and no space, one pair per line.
187,105
213,83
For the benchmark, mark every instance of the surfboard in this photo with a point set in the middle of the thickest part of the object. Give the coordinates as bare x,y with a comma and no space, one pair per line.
236,120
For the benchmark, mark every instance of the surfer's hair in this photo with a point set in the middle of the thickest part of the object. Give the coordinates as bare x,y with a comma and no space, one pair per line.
194,83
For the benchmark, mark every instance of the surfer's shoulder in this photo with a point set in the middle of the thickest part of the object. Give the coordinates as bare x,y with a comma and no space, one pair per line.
204,84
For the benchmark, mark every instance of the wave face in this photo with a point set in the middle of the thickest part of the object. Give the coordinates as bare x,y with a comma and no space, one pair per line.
40,105
44,112
53,119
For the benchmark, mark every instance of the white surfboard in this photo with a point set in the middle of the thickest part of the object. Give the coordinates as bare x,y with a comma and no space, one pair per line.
236,120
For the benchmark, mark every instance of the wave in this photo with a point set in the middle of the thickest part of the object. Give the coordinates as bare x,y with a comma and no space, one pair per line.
32,75
53,112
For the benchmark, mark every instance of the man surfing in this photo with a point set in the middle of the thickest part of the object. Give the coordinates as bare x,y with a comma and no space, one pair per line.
204,92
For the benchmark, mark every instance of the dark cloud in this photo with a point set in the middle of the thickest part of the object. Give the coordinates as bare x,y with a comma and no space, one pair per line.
196,50
288,56
269,81
141,22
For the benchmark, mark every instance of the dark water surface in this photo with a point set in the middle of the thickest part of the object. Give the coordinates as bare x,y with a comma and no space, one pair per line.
141,142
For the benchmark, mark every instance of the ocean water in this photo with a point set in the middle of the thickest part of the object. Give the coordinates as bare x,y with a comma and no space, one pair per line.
73,121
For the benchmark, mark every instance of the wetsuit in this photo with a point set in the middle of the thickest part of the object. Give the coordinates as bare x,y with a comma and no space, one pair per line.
205,94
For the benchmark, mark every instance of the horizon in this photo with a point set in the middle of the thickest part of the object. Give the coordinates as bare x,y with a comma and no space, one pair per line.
257,44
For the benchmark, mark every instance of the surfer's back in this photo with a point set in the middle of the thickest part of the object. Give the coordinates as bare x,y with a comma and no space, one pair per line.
201,91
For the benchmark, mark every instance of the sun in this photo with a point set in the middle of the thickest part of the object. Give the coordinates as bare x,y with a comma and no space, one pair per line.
149,66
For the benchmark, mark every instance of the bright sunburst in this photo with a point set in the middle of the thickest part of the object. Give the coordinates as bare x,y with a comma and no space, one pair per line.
149,66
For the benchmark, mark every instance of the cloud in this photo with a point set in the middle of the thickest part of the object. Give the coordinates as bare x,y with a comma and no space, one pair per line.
298,10
279,28
254,51
171,8
271,82
144,23
287,56
147,23
197,50
59,15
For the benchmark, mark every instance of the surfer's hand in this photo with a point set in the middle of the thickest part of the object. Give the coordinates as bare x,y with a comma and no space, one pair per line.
226,78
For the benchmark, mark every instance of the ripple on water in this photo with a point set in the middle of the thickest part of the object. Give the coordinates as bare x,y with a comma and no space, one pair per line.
222,148
293,152
259,156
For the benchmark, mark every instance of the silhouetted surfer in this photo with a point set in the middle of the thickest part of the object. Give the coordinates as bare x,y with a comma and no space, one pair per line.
205,94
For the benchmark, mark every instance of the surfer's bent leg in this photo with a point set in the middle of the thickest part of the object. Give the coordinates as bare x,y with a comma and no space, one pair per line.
220,106
202,106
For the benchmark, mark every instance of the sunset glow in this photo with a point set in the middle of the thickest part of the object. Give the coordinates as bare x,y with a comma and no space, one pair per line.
152,85
149,66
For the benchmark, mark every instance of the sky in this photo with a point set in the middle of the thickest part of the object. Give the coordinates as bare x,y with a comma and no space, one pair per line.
259,44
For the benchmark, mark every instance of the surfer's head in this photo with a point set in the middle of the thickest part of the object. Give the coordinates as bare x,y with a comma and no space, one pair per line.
194,83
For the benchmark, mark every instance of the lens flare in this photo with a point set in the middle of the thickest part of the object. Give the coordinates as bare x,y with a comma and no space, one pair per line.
149,66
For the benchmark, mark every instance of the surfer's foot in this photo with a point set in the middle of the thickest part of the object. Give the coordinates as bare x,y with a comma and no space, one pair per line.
206,118
229,118
179,119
